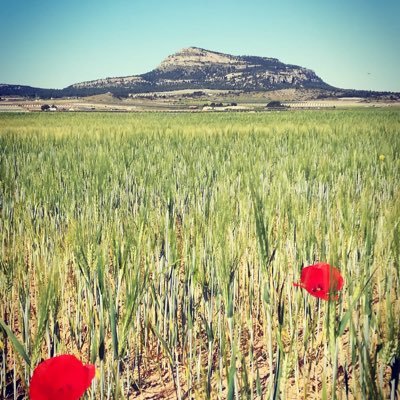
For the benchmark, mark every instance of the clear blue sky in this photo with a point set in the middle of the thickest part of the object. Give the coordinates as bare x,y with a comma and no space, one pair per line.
348,43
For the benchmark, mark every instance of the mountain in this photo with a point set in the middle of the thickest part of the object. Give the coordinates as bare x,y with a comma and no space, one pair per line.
196,68
28,91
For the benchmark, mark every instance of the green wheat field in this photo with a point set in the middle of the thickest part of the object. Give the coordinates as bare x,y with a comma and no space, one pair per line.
163,248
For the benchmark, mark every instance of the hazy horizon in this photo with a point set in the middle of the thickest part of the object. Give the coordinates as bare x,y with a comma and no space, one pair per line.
45,44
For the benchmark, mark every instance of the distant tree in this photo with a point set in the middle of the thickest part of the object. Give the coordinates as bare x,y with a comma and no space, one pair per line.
275,104
198,93
45,107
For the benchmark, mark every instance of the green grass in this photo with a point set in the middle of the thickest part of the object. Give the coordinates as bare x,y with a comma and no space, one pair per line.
163,248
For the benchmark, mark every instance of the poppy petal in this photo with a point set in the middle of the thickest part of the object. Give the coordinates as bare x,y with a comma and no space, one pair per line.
63,378
321,280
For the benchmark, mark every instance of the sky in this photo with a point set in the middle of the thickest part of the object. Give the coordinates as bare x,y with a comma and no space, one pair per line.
352,44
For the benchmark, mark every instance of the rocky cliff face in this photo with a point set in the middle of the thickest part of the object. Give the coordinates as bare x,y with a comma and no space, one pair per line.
125,81
193,68
194,57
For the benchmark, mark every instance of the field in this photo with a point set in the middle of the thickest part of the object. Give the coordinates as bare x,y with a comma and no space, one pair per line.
164,247
188,101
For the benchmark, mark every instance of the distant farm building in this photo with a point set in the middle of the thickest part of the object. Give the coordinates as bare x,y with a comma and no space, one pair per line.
46,107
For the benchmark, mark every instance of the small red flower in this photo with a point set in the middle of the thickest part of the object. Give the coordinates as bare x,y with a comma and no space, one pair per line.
61,378
321,280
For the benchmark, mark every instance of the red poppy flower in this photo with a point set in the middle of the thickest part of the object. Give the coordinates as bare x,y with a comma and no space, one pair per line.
321,280
61,378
